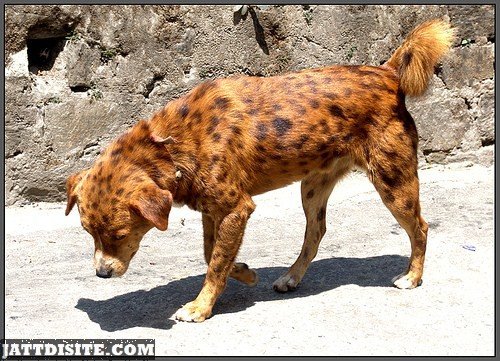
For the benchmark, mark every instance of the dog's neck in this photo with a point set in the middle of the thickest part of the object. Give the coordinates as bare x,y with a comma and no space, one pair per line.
183,151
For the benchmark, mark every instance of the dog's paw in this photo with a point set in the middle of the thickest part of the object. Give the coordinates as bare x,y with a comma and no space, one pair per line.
254,279
285,283
406,281
191,312
242,273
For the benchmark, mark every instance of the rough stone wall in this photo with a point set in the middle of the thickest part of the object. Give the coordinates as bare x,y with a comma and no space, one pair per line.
77,76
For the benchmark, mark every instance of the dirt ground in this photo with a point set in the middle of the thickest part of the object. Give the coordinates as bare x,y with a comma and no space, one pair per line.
344,306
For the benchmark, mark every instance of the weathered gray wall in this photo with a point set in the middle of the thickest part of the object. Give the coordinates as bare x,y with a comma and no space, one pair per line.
118,64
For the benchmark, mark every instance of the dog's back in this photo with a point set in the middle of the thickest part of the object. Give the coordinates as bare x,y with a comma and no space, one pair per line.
275,130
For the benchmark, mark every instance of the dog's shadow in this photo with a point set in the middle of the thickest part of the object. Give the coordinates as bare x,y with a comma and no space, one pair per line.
154,308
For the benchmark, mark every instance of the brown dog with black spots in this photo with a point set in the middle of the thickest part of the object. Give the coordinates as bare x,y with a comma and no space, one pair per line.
230,139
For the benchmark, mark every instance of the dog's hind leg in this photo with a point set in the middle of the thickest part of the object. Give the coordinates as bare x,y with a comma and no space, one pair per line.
394,175
240,271
316,189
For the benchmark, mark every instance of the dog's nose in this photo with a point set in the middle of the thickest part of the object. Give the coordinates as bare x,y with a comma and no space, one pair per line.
103,273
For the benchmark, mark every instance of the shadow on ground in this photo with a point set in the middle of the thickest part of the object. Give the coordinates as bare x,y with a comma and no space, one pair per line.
155,307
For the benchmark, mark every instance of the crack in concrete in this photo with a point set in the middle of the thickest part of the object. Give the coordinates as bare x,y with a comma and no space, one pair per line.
318,44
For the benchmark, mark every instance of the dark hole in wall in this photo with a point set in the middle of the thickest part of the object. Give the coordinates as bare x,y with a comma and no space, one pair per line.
79,88
42,53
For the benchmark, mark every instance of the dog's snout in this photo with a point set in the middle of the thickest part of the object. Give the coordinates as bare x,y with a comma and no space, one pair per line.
103,273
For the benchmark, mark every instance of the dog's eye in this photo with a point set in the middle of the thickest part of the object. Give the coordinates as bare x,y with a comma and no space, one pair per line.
119,237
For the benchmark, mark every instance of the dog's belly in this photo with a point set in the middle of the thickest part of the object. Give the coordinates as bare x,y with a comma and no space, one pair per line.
285,172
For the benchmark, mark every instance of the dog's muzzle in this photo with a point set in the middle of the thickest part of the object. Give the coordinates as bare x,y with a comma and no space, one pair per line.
103,273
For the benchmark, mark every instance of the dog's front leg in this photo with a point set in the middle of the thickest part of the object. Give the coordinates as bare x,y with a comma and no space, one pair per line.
228,240
240,271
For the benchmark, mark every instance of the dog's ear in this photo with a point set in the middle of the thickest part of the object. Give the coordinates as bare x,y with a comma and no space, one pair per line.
71,186
153,204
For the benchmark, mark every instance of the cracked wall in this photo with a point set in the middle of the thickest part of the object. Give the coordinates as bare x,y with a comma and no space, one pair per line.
77,76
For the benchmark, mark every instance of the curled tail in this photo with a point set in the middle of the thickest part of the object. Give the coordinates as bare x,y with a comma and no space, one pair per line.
416,58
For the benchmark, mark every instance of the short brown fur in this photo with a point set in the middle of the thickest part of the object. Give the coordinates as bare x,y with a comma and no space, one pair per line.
230,139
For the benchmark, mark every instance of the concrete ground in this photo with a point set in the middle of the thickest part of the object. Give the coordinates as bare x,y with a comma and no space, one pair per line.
344,306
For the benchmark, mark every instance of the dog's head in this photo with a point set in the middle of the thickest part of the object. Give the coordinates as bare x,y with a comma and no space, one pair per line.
123,196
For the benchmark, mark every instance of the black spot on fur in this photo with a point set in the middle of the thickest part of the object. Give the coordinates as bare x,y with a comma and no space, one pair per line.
300,109
311,83
216,137
332,139
277,107
389,197
221,177
336,111
310,194
322,147
389,153
314,103
235,129
325,155
282,125
392,179
261,160
347,137
253,111
116,152
406,59
215,159
214,122
221,103
321,214
368,119
184,111
197,116
324,125
261,131
408,204
302,140
119,191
